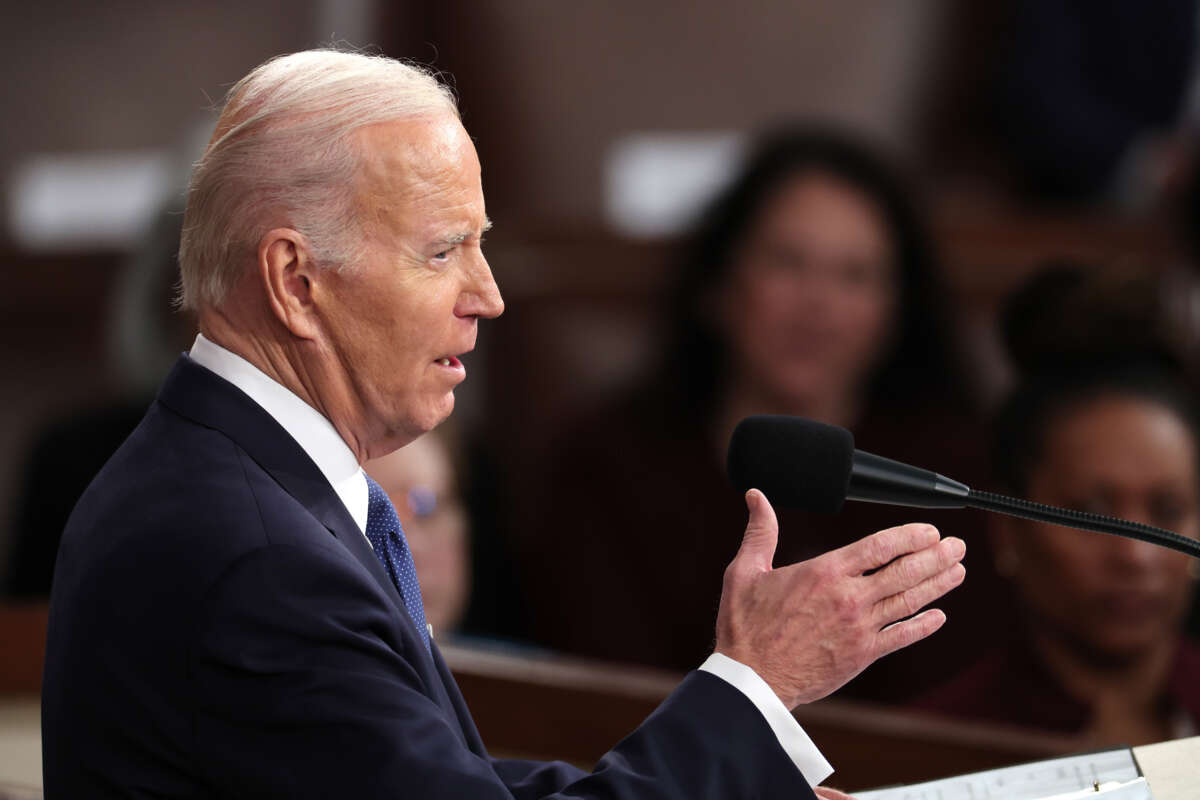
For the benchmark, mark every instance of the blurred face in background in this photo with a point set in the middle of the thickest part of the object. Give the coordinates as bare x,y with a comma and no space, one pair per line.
419,480
1110,598
810,301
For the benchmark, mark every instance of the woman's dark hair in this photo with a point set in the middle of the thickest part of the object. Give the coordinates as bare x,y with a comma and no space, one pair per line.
920,355
1077,334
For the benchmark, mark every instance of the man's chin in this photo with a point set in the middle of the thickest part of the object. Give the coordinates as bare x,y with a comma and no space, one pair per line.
448,408
438,414
405,428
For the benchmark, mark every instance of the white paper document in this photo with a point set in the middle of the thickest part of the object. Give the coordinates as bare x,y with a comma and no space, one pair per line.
1107,775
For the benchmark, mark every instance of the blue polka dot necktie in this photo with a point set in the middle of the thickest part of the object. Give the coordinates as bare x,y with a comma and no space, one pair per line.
387,539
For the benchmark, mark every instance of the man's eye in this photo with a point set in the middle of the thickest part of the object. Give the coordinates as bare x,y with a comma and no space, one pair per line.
442,256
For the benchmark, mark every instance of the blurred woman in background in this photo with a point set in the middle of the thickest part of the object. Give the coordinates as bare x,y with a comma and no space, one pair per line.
808,289
1103,421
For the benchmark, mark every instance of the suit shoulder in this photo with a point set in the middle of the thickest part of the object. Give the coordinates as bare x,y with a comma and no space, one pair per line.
182,497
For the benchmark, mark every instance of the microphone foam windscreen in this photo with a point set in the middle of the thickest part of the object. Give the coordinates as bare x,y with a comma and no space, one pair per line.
795,462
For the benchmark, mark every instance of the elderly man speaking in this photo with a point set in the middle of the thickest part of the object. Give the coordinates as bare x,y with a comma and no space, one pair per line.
235,611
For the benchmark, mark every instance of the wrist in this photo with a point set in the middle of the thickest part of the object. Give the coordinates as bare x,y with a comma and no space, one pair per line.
776,683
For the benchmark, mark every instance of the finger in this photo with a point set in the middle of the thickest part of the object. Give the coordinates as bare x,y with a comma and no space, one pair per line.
910,601
762,534
880,548
902,634
825,793
914,568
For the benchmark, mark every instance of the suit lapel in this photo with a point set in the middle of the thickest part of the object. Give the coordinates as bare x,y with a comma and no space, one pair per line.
208,399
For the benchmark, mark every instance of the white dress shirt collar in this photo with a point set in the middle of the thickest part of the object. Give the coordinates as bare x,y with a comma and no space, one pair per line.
312,431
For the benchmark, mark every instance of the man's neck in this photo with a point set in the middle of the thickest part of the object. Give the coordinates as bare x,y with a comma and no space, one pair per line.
287,365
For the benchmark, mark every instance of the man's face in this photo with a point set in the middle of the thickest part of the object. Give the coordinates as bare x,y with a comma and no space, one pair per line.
399,323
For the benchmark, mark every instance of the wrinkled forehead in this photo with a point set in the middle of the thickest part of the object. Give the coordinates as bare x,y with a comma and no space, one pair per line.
419,177
415,154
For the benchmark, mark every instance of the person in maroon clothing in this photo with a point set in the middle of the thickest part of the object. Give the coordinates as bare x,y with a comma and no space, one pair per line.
808,289
1103,422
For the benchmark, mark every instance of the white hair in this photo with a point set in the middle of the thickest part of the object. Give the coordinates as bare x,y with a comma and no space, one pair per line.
282,155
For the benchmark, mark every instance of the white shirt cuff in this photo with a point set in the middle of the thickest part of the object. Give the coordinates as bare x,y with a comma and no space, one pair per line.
787,730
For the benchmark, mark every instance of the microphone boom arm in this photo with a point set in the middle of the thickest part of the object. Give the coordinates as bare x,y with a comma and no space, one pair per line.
875,479
764,450
1082,519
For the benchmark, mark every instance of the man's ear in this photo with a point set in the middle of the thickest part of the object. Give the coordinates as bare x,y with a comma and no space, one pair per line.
287,271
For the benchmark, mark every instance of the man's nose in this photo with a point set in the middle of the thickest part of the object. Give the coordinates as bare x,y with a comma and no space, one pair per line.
481,297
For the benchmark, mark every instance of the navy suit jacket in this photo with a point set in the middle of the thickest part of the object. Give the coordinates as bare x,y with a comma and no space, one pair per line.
219,628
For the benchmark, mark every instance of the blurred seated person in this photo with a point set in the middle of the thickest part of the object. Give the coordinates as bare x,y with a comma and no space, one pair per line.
419,480
1103,422
808,289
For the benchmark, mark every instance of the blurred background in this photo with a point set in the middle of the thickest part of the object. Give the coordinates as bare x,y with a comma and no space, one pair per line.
999,139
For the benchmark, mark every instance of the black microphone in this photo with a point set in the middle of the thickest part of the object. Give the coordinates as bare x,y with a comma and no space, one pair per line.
799,463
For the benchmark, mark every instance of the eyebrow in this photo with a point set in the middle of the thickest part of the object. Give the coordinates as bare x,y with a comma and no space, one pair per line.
459,238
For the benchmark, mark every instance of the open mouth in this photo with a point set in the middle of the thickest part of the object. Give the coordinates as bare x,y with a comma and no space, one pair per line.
448,361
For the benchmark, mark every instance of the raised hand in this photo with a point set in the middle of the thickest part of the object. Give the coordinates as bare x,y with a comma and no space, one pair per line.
810,627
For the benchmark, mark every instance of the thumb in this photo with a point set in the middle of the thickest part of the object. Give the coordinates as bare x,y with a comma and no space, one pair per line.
762,533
